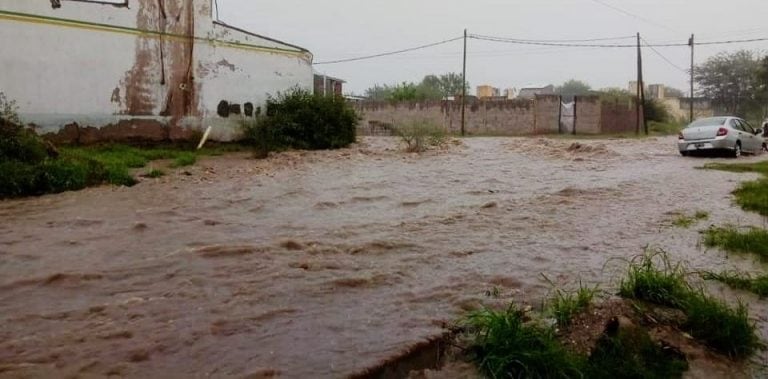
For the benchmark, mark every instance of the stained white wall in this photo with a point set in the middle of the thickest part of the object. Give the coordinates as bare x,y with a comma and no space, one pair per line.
60,74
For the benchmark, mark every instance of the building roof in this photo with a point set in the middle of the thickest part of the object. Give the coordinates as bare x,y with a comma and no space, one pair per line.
223,24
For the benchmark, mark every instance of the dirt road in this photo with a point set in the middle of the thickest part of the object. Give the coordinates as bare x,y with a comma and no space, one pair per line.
324,264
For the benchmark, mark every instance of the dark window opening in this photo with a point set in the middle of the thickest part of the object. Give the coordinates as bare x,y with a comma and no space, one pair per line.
248,109
234,109
223,109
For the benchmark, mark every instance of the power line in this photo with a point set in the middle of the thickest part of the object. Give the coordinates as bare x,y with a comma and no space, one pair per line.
392,52
630,14
664,57
520,42
560,40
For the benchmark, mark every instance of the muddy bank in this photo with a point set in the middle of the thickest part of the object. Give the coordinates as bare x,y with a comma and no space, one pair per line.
325,264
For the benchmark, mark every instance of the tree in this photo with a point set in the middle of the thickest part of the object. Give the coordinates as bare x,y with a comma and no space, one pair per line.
573,87
432,87
762,85
731,81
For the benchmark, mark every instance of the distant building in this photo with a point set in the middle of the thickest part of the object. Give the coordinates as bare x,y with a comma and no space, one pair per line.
327,85
510,93
530,92
486,91
656,91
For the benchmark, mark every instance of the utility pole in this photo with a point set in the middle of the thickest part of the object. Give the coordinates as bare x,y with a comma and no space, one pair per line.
692,44
464,88
642,83
639,87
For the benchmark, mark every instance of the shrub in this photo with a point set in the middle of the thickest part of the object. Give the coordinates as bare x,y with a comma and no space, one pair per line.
300,120
9,110
258,134
418,136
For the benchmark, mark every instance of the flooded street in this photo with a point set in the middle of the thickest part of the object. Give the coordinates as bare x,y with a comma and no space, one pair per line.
325,264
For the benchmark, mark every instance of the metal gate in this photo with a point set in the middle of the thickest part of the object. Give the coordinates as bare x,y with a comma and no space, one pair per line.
567,117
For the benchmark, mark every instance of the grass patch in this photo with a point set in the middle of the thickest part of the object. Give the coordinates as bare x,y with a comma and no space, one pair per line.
653,278
751,241
564,305
155,173
506,346
757,285
751,196
664,128
184,159
686,221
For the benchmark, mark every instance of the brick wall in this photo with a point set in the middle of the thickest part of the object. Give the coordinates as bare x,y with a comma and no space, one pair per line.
547,114
588,115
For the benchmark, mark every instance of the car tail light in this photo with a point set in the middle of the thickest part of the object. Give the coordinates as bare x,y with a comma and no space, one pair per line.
680,136
722,132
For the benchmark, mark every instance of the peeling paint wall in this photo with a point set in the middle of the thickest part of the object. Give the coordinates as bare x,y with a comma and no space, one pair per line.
152,70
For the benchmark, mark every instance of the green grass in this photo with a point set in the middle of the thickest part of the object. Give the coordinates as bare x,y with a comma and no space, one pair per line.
155,173
750,241
751,196
720,326
757,285
686,221
564,305
184,159
505,346
664,128
653,278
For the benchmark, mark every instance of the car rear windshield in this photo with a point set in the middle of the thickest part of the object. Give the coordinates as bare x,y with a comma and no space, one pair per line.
715,121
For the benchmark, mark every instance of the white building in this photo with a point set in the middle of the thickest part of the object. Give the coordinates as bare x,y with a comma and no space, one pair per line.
88,71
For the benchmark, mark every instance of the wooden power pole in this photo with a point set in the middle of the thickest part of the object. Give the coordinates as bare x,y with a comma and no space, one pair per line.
464,87
639,87
692,43
642,83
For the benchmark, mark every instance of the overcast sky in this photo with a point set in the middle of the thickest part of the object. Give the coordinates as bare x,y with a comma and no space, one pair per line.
337,29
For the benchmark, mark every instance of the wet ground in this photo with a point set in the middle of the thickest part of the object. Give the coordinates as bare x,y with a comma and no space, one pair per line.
324,264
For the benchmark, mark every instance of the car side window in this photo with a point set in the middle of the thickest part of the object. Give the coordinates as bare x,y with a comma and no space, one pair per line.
748,127
734,123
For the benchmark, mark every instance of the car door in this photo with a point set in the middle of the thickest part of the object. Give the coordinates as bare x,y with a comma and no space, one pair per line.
754,140
741,134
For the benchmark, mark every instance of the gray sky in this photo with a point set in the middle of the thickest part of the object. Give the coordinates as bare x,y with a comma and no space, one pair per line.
337,29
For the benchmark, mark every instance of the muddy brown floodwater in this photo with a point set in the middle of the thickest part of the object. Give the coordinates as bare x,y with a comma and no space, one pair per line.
325,264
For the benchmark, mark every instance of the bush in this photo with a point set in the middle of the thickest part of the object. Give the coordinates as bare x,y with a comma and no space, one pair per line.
300,120
655,111
419,136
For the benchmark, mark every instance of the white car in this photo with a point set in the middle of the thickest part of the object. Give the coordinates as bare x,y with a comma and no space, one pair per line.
731,134
765,135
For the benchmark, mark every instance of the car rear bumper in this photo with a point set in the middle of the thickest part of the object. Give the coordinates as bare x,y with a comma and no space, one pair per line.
710,144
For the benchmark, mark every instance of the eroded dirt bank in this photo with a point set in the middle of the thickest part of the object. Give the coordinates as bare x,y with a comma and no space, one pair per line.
325,264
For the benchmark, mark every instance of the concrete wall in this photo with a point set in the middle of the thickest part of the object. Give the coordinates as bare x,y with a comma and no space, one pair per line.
512,117
482,117
588,115
547,110
147,71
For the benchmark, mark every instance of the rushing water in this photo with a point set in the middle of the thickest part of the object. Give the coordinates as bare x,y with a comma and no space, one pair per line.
324,264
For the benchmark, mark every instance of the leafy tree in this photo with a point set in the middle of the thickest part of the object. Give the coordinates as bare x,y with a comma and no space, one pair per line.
731,81
762,85
573,87
432,87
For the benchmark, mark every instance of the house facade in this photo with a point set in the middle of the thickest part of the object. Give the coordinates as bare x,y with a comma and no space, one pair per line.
110,70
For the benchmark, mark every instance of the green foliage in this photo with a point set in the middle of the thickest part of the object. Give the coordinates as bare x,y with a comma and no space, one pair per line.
751,196
564,305
723,328
9,110
652,277
751,241
184,159
505,347
432,87
655,111
420,136
686,221
573,88
632,354
757,285
731,80
300,120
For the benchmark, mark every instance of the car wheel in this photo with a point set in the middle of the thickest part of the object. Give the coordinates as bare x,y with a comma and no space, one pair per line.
737,150
685,153
765,147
